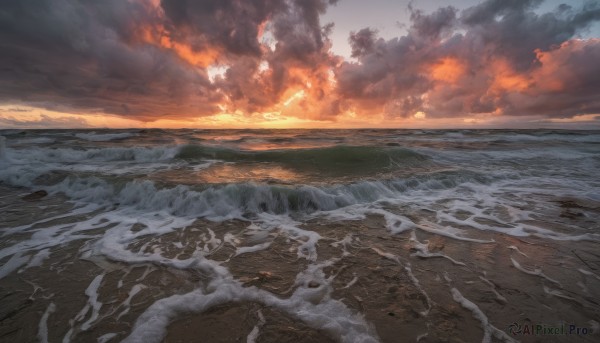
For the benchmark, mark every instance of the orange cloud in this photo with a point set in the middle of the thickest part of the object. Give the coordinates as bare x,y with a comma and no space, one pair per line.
448,69
506,79
158,36
154,62
201,59
314,95
557,71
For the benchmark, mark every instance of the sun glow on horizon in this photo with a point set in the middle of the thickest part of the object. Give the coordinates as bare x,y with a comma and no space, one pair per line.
21,117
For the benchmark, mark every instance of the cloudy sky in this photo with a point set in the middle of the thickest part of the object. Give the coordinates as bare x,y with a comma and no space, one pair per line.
299,63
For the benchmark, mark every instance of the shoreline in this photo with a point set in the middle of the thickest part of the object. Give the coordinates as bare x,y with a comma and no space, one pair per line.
403,285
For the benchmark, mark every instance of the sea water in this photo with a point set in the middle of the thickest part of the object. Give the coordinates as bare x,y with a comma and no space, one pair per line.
335,203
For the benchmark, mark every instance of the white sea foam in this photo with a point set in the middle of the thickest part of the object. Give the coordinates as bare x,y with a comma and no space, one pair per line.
536,272
38,258
21,167
165,209
107,337
344,243
254,248
253,335
126,303
113,154
558,294
351,283
15,262
415,281
488,329
512,247
93,303
329,315
387,255
422,250
499,296
312,305
43,325
411,275
449,231
421,336
349,201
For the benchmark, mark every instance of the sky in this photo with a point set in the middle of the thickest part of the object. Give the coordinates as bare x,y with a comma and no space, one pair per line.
299,64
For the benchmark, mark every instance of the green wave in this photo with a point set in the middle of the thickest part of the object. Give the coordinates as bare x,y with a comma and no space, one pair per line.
338,159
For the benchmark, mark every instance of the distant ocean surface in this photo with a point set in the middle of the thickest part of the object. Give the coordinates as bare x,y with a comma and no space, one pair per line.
221,204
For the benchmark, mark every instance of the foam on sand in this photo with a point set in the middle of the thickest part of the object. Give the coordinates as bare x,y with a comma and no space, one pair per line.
489,330
15,262
253,335
328,315
127,302
43,326
93,303
536,272
422,250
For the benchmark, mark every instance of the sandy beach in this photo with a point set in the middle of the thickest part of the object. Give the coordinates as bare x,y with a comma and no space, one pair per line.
412,286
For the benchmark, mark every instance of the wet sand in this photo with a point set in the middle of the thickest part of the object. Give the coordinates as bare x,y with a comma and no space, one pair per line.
412,286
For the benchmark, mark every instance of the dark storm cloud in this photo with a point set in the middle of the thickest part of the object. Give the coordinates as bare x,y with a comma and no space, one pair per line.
298,30
301,49
511,28
233,25
432,26
497,57
84,55
569,85
149,59
362,41
44,122
135,59
488,10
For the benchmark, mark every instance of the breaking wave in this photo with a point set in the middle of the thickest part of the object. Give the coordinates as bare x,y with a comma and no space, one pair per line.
69,155
246,199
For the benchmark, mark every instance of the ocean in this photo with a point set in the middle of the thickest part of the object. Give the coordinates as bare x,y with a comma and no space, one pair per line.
148,235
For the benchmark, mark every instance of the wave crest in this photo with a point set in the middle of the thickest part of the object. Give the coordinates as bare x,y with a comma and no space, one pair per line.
333,160
244,199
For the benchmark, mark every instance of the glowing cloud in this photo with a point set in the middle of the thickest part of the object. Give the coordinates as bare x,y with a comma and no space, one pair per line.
264,62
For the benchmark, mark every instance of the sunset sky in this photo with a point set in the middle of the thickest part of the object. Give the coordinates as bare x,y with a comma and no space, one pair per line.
299,63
